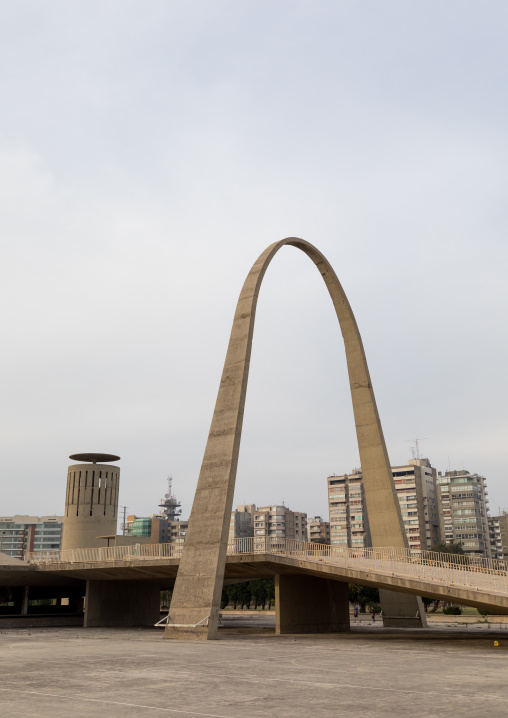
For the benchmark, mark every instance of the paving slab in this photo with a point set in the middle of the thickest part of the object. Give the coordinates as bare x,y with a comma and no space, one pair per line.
249,673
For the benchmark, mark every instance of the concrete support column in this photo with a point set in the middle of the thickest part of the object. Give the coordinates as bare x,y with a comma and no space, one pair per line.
24,601
122,603
398,612
307,604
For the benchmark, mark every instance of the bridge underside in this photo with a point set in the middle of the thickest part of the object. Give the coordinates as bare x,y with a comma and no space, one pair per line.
109,585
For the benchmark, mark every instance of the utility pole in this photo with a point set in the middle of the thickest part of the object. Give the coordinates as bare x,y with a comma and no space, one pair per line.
124,525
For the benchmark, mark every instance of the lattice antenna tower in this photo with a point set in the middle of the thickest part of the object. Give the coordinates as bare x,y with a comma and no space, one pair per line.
171,507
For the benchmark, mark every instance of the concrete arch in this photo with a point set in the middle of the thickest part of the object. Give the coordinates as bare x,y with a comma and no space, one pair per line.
198,587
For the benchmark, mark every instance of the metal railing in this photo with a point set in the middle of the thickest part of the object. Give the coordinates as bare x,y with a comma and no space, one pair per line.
476,573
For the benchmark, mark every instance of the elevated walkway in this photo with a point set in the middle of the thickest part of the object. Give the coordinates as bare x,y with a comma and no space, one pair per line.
478,582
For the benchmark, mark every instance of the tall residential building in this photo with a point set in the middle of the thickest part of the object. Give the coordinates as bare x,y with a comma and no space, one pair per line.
348,514
415,485
242,522
318,530
20,535
463,511
279,521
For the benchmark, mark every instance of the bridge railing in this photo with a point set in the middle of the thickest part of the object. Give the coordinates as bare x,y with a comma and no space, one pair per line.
472,572
108,553
451,569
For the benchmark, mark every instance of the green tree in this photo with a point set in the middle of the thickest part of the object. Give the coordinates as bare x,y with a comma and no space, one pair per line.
244,594
258,592
363,595
454,548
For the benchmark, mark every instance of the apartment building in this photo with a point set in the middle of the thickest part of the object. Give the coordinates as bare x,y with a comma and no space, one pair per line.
348,513
498,529
463,511
415,485
242,522
281,522
20,535
318,531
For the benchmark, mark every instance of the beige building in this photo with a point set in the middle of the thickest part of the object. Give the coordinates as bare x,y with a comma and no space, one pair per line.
280,522
415,485
463,511
318,531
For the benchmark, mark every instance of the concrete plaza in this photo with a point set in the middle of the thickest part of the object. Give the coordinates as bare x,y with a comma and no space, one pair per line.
249,672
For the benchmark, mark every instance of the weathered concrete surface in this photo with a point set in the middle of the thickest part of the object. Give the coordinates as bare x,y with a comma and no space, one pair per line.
91,504
201,574
131,673
122,603
398,618
306,604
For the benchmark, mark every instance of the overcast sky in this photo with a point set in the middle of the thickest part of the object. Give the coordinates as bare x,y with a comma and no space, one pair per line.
150,151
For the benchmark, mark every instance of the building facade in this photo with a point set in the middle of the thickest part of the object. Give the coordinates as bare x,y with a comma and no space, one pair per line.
498,529
20,535
348,514
280,522
415,485
463,511
242,522
318,531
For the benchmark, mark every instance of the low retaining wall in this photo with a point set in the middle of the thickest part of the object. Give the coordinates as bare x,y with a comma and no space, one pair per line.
40,621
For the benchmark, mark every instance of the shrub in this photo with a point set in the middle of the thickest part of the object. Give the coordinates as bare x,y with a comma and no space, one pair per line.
452,610
484,612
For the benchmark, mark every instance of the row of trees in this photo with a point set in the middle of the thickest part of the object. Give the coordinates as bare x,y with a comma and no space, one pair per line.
249,594
261,594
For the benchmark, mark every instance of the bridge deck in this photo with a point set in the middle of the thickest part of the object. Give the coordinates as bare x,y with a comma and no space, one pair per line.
476,582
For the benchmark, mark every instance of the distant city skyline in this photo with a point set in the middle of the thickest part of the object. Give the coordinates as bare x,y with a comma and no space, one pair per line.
147,158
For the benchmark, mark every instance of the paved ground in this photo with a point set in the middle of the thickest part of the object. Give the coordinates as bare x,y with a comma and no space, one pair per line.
249,672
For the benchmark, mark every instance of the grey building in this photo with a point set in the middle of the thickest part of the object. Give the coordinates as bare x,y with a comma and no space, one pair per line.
498,529
463,511
280,522
242,522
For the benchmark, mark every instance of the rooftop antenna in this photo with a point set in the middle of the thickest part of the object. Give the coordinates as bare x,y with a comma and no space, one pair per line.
415,450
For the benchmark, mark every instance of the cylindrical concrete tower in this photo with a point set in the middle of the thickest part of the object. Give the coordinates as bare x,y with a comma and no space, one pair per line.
91,501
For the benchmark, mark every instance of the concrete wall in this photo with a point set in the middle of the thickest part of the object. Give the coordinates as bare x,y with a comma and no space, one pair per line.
91,505
306,604
122,603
